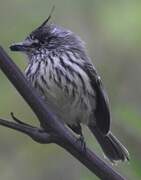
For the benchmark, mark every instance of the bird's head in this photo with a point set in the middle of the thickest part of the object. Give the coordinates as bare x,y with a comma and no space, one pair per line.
48,37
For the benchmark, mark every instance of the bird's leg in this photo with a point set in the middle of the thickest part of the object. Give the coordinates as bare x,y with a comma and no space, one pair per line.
78,130
81,139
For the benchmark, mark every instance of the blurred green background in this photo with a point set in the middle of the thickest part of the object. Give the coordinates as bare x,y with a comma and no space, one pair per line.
112,32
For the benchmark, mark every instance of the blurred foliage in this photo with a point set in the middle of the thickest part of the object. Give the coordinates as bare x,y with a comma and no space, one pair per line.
112,32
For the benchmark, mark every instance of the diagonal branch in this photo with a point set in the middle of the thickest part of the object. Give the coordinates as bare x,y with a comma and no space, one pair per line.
48,120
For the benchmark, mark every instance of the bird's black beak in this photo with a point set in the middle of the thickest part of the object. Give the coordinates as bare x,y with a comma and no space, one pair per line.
18,47
21,46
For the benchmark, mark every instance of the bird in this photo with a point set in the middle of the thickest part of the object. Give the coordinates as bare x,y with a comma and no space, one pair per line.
60,69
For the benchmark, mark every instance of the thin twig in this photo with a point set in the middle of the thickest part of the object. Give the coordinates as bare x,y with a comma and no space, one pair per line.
37,134
48,120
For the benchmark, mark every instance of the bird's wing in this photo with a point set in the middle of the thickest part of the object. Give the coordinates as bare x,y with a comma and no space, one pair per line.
102,111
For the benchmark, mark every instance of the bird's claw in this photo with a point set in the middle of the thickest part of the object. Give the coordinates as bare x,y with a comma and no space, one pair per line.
83,143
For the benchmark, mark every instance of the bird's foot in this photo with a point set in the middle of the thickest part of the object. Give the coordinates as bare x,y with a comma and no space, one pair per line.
83,143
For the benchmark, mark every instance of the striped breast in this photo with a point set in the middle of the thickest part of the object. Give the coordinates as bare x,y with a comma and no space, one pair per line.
64,84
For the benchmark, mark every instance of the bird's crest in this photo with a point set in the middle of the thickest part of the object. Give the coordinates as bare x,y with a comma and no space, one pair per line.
49,17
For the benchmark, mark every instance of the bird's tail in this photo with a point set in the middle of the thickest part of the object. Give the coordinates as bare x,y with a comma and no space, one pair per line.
111,146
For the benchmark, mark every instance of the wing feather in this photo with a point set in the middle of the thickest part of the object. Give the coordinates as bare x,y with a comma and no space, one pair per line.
102,111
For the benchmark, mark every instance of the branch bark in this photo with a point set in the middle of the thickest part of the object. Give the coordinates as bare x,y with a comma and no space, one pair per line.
48,120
